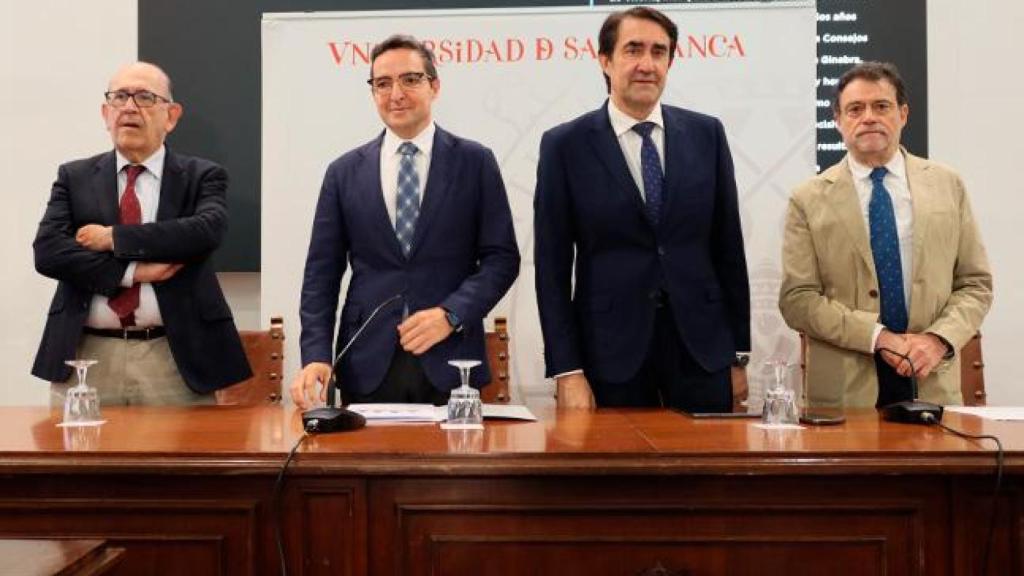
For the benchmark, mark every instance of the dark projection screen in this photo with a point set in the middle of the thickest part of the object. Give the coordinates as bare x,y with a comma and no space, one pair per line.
212,51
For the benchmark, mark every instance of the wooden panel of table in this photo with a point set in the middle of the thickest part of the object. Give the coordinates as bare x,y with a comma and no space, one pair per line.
189,491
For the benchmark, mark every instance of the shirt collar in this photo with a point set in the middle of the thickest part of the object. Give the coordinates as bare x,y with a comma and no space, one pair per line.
896,166
424,141
154,164
622,122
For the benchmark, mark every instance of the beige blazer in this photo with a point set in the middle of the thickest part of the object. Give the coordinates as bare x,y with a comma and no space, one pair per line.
830,291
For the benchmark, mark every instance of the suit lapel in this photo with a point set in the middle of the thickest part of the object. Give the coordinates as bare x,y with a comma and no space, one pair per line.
919,182
439,181
172,188
104,183
677,145
843,200
372,195
606,146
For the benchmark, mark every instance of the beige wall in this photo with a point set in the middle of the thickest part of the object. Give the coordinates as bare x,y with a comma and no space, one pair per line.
55,59
976,99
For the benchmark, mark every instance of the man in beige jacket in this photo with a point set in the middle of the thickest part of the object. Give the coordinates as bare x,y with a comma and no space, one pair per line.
882,209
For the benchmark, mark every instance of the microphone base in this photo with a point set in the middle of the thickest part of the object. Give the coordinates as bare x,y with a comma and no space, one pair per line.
912,412
326,420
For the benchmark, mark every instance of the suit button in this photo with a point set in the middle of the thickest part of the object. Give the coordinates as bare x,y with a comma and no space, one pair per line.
873,293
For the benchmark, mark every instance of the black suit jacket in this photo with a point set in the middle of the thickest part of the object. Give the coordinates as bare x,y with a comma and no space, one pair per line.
464,258
590,222
190,223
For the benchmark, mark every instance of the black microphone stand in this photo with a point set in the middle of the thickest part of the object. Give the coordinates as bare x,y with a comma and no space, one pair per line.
331,418
911,411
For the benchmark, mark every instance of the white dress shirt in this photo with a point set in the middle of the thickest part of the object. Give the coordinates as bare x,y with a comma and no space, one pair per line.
147,188
390,159
895,182
632,143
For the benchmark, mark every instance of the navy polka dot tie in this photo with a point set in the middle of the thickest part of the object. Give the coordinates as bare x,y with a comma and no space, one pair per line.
650,166
885,247
407,201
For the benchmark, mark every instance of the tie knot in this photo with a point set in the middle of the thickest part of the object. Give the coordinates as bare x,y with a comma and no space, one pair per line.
643,128
133,170
878,174
408,149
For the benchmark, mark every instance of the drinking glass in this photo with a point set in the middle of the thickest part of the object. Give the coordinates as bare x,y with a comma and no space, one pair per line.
464,407
82,403
779,399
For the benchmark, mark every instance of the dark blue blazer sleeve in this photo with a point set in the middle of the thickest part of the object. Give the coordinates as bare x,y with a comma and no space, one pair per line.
57,254
553,260
497,251
728,254
325,265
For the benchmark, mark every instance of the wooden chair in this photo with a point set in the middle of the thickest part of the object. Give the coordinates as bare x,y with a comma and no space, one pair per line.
497,392
265,351
972,373
972,370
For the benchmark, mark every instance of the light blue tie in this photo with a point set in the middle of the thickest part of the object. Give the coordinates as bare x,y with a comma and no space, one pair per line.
885,248
650,167
407,201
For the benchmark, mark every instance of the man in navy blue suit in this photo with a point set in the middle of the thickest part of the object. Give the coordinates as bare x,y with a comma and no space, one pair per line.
417,212
637,203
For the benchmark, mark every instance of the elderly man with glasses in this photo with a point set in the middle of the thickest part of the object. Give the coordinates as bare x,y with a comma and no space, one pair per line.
422,218
883,265
128,235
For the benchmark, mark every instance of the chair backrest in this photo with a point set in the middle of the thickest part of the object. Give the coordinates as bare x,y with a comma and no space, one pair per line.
972,373
265,351
497,392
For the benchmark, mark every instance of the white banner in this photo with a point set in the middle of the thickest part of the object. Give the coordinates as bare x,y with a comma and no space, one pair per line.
506,77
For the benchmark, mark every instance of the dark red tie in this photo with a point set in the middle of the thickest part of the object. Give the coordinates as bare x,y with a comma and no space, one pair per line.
127,300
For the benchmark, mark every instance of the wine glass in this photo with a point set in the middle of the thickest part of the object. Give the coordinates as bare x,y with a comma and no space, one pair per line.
464,407
82,403
779,400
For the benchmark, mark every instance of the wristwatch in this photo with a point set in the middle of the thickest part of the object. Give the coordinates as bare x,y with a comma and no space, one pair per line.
741,360
453,320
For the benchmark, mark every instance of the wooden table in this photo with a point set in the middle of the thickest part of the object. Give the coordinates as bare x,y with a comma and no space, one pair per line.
189,491
58,557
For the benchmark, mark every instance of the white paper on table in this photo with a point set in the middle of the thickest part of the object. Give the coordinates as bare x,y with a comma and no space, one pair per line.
405,413
508,412
990,412
400,412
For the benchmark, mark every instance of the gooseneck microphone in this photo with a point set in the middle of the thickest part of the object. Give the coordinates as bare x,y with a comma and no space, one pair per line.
911,411
331,418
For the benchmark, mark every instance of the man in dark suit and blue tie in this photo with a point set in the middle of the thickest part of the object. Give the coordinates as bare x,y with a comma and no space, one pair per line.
641,273
417,212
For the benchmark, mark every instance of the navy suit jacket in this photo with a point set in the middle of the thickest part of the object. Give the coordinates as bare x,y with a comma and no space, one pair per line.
589,212
464,258
190,223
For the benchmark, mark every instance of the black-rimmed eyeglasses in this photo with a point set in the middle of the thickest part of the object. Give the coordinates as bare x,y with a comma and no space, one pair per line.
142,98
408,81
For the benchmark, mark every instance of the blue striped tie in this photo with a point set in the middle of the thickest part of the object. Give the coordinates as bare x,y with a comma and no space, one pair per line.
407,201
885,248
650,167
